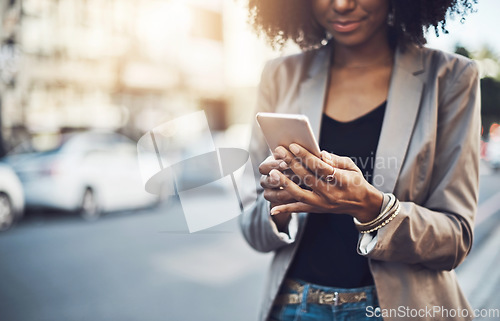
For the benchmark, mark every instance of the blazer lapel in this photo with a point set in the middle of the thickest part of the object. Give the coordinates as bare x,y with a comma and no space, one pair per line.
401,112
313,89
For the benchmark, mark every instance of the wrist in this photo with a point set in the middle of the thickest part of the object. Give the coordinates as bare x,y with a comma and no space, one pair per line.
281,220
391,207
372,206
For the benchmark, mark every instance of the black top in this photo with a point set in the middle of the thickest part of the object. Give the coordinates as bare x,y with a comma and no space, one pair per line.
327,252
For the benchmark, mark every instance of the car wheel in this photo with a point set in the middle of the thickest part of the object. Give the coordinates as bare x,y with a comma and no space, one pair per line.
6,212
89,208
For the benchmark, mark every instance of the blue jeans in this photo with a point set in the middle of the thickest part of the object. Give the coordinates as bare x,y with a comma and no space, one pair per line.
358,311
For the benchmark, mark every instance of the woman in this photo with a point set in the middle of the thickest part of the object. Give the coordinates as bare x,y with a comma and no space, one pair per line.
387,212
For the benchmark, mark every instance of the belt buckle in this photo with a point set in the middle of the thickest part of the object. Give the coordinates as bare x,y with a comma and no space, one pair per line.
328,298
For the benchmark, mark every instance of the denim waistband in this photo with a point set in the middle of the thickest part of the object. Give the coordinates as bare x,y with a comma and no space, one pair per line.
307,287
303,309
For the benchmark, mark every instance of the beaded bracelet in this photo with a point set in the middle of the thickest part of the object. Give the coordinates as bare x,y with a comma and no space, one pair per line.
384,223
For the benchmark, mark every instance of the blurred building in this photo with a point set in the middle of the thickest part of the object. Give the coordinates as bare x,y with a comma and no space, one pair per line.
9,54
124,64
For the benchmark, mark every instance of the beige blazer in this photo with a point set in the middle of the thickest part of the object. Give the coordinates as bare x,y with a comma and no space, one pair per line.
428,156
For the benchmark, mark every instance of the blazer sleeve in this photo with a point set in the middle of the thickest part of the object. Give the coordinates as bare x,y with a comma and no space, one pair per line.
438,234
256,224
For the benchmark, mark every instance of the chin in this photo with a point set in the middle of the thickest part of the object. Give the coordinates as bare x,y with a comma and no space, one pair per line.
349,41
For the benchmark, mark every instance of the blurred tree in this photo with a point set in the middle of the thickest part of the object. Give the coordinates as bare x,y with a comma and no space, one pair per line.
490,86
462,51
486,52
489,61
490,103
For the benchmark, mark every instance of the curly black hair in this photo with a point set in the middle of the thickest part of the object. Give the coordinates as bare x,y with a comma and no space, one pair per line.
283,20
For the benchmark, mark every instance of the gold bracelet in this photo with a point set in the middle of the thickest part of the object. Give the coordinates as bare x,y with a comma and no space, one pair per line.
384,223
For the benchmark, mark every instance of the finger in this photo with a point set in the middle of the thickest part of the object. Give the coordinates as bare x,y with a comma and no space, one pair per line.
295,207
292,176
311,162
278,196
267,181
342,178
339,161
306,177
269,164
294,190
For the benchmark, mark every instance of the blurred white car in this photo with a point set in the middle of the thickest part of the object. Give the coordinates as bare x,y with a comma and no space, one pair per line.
11,197
88,172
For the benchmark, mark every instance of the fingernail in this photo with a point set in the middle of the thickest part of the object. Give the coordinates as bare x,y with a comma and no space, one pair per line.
278,153
274,212
274,175
326,155
283,165
294,149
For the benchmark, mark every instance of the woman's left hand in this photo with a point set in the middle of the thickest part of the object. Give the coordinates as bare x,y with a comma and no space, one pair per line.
347,191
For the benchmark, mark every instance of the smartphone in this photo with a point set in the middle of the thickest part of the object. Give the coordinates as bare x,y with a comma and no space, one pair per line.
285,129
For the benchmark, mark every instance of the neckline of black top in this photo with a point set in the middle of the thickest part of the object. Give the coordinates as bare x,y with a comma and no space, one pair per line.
360,118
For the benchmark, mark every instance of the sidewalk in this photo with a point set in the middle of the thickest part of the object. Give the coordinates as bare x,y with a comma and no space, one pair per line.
479,275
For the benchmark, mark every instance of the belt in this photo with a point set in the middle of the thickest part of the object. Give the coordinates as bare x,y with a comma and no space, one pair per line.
317,296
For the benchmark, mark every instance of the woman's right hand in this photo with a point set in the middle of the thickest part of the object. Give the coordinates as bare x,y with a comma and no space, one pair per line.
272,192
